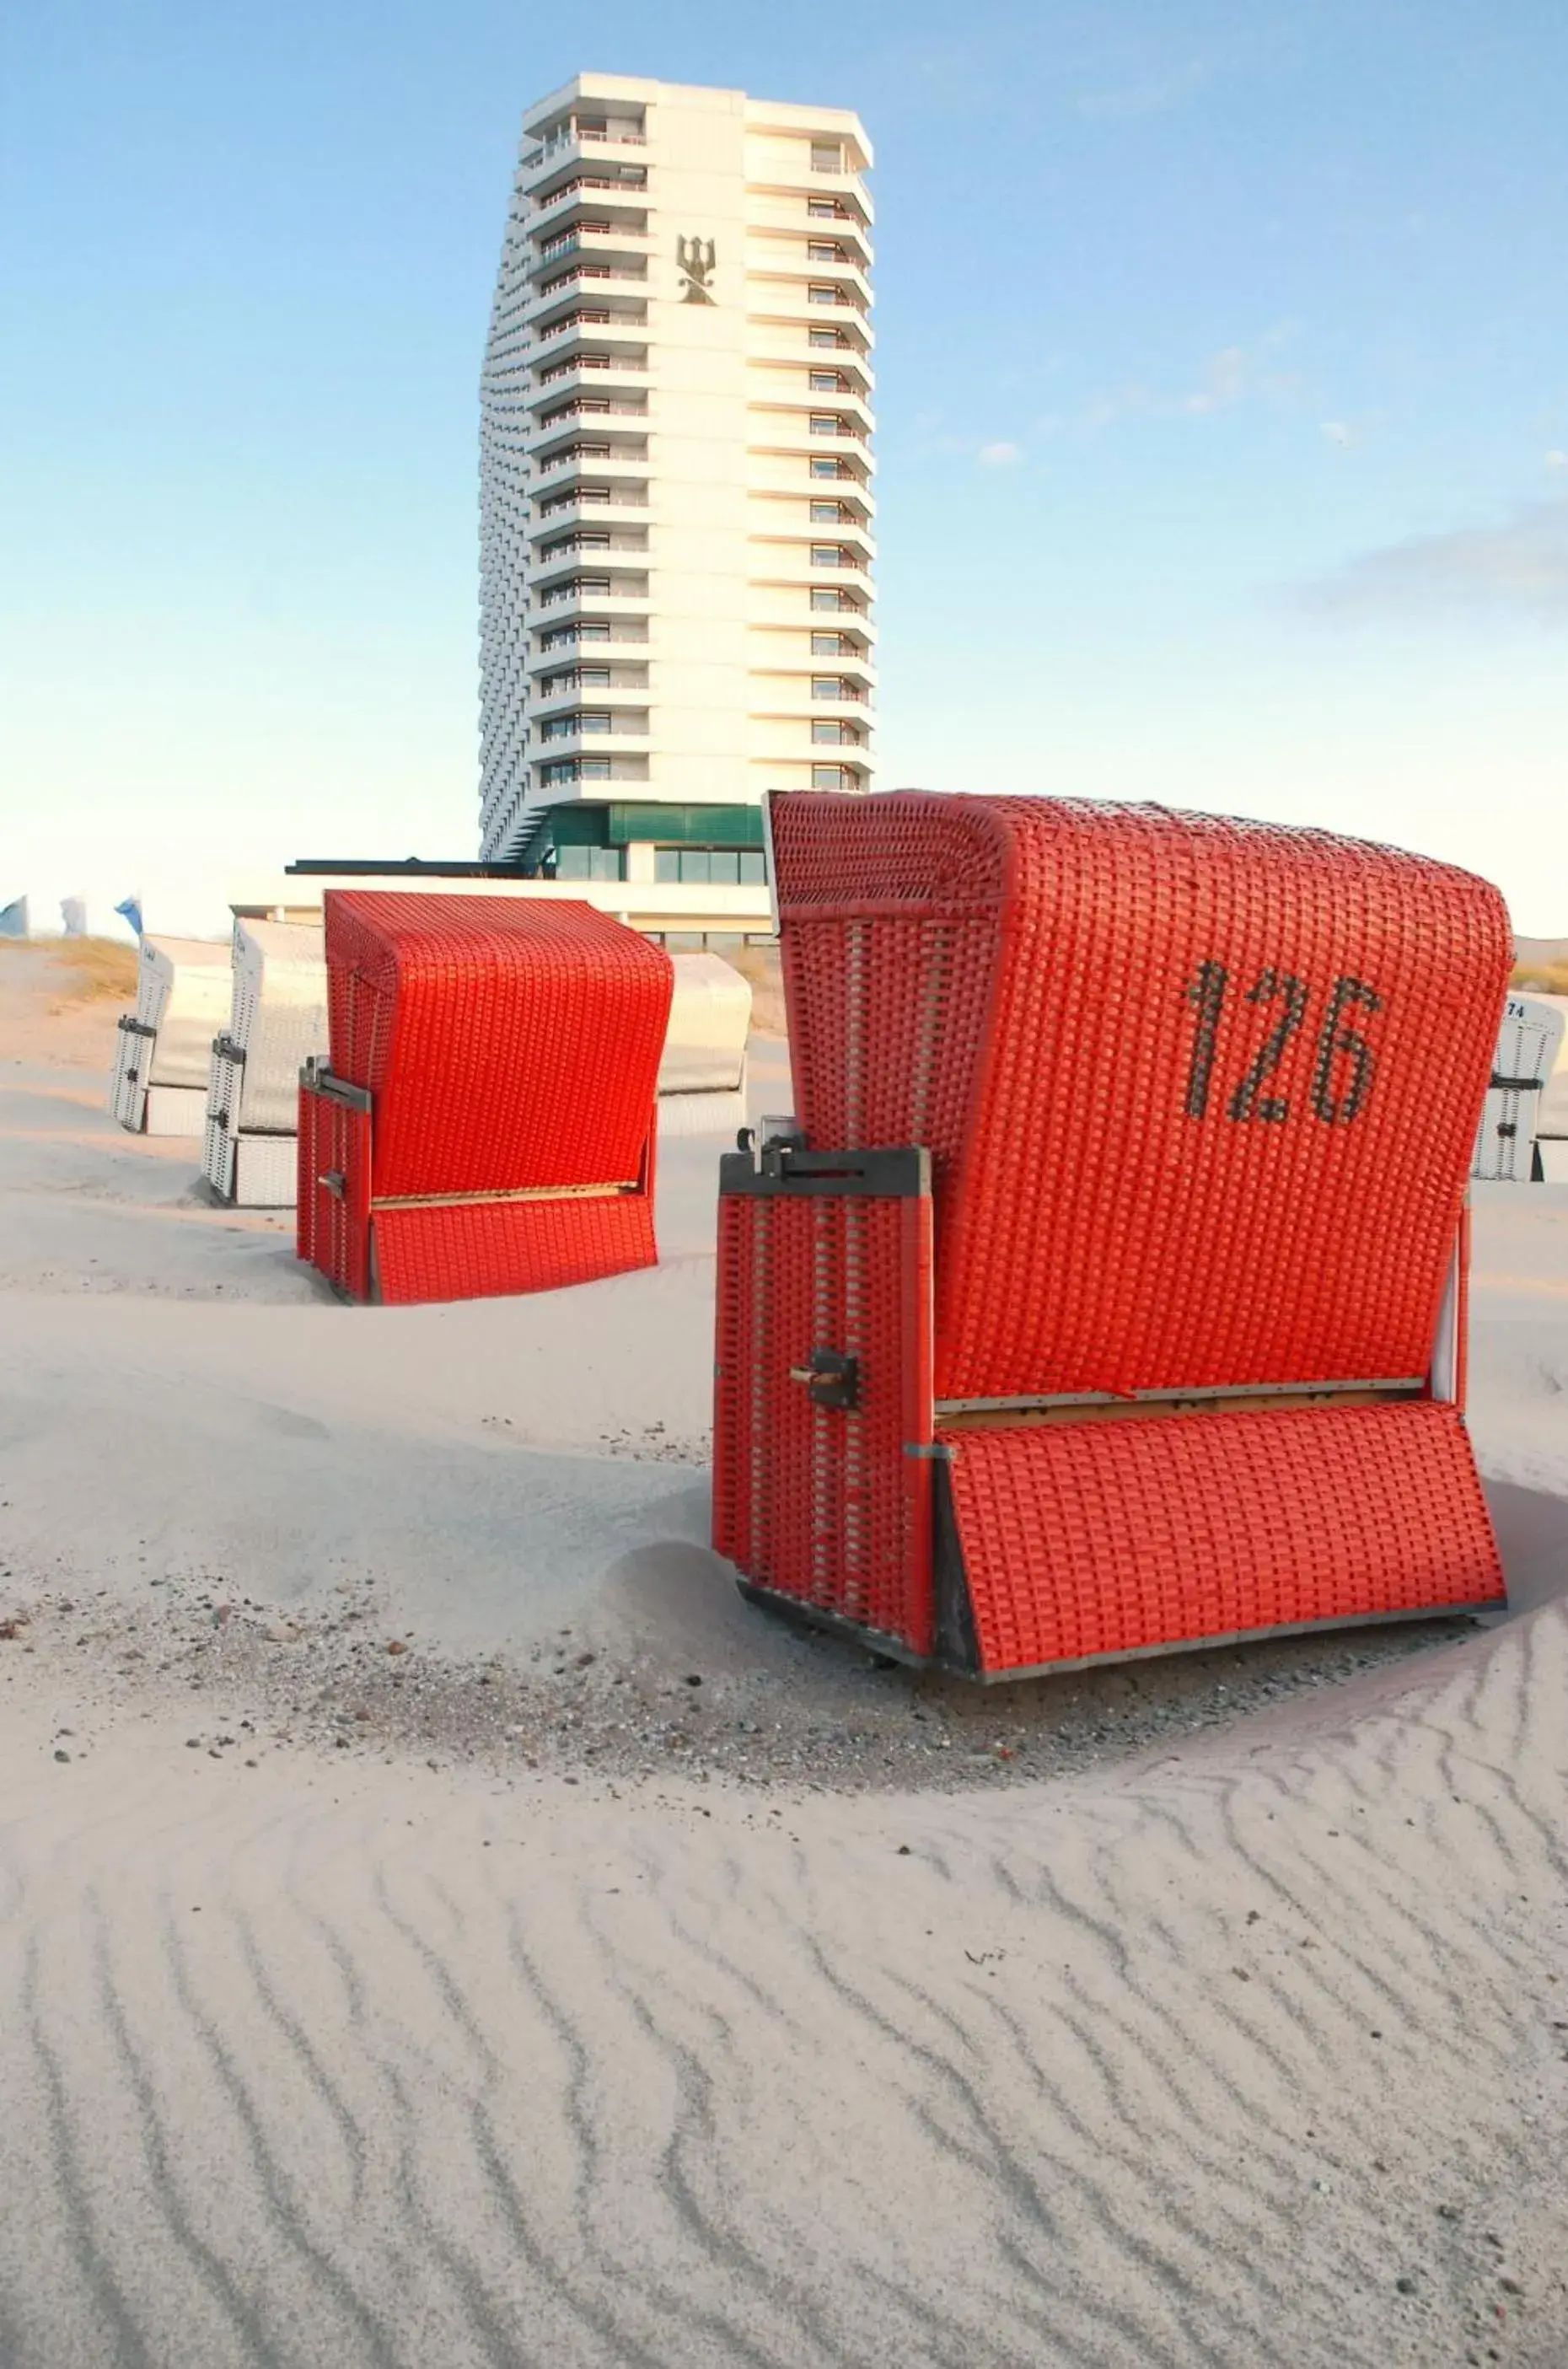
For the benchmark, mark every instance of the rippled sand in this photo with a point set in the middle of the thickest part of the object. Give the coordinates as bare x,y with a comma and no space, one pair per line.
1244,2044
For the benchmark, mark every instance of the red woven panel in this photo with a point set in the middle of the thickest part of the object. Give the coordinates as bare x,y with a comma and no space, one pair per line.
1200,1095
816,1503
509,1042
471,1250
1104,1538
306,1169
332,1229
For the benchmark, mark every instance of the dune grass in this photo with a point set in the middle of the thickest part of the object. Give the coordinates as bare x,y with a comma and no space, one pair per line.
85,971
1547,978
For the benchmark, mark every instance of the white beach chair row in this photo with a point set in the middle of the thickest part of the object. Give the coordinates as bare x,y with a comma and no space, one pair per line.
237,1090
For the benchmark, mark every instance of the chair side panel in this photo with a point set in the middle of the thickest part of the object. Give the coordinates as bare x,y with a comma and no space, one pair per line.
826,1508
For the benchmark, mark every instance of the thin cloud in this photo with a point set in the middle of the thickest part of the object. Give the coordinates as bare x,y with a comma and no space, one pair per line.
1231,376
1000,456
1518,568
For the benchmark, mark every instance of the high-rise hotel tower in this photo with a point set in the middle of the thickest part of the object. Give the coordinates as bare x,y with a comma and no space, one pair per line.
676,480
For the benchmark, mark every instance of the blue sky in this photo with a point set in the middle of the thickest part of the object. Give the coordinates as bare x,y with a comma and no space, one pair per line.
1223,411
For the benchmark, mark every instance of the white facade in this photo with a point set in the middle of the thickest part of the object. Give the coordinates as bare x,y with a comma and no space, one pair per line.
676,472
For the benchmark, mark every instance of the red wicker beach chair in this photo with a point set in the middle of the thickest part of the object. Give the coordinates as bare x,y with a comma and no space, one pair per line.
1106,1295
485,1123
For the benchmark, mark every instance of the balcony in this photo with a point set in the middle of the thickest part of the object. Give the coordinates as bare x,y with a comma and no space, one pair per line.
790,392
796,699
628,182
600,407
600,551
596,636
611,598
586,371
615,332
790,433
601,285
580,143
615,466
563,694
560,776
585,508
569,735
594,242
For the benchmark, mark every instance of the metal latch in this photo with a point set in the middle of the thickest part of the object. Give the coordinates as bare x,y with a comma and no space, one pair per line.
333,1180
832,1380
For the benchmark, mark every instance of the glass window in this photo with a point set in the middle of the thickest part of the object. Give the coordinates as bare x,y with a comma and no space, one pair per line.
822,295
590,631
594,678
827,156
827,646
835,734
723,868
575,862
606,862
695,863
753,867
822,209
831,777
822,598
592,723
823,337
827,383
826,514
827,554
820,468
593,768
667,864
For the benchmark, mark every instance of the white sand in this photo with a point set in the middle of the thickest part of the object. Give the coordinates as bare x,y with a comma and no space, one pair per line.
1191,2053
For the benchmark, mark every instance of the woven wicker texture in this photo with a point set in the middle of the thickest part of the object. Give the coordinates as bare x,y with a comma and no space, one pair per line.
816,1503
470,1250
332,1227
183,989
1201,1094
1105,1538
278,1018
225,1085
510,1043
307,1168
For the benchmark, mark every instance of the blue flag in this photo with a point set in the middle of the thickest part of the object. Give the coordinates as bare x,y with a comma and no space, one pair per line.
132,912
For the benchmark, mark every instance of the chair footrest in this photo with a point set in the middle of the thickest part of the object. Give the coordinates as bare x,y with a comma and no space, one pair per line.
1085,1542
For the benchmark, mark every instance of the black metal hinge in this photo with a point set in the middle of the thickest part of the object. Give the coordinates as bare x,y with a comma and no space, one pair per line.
832,1380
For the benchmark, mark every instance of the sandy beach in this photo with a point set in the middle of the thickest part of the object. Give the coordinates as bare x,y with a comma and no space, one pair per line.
440,1924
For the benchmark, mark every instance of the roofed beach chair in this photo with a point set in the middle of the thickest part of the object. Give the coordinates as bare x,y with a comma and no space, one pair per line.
163,1049
277,1023
702,1075
485,1123
1529,1045
1107,1294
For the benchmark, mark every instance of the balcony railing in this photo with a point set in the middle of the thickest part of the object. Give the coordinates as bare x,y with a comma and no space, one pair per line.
589,407
625,186
595,633
595,588
578,132
593,497
587,362
586,271
840,692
